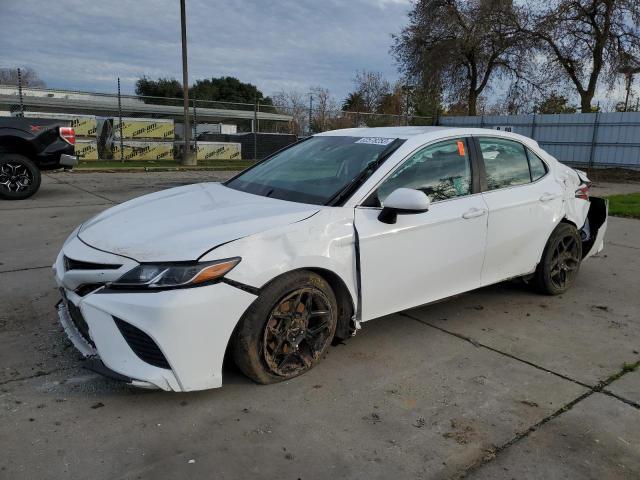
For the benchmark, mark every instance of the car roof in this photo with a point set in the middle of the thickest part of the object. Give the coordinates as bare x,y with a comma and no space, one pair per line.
388,132
432,132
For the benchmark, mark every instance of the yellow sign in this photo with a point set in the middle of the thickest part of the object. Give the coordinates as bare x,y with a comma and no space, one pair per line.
144,150
218,151
86,149
84,126
135,128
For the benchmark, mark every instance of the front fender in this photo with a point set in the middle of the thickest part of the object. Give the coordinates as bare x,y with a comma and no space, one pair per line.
324,241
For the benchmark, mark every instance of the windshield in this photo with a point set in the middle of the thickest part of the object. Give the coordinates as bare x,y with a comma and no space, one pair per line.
316,170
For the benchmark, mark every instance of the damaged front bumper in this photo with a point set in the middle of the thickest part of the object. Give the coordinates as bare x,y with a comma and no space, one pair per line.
174,340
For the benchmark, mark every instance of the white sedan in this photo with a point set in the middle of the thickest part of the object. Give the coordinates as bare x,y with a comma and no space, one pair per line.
335,230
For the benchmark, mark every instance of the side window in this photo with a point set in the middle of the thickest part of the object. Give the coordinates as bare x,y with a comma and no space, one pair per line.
441,171
505,162
538,167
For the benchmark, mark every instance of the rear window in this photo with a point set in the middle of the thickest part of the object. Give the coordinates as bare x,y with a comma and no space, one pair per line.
505,163
538,167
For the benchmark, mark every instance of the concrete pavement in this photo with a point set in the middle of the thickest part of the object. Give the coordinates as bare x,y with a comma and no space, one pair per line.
496,383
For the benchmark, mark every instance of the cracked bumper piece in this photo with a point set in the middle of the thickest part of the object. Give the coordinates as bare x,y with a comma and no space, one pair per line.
173,340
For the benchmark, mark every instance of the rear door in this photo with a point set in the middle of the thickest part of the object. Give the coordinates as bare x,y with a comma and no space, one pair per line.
424,256
525,204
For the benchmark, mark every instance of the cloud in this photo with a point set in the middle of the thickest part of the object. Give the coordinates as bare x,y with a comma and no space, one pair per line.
275,44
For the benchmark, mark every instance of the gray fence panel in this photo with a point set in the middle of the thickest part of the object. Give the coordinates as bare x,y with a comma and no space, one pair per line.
600,139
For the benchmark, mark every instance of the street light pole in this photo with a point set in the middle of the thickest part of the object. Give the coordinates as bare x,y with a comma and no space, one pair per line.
187,157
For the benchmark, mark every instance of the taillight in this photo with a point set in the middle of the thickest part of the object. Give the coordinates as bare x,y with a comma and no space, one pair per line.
583,192
68,134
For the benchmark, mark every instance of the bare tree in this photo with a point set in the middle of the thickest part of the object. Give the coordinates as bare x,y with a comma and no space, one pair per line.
371,87
460,46
29,77
585,39
293,103
324,109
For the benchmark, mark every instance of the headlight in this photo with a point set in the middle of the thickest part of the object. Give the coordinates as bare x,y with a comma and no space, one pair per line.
174,275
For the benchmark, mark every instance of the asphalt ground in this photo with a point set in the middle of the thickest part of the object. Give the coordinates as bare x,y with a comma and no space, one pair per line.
497,383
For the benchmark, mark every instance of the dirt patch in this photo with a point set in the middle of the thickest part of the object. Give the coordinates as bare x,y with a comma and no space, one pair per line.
616,175
462,431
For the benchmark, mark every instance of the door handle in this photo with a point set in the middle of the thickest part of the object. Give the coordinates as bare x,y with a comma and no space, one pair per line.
548,197
474,212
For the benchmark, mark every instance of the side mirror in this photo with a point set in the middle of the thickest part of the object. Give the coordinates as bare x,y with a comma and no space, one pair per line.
403,200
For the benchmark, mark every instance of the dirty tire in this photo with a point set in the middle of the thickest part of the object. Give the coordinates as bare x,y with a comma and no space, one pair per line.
287,329
19,177
560,261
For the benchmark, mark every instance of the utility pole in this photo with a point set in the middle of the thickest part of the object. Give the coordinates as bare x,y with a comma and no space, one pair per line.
310,110
187,156
20,93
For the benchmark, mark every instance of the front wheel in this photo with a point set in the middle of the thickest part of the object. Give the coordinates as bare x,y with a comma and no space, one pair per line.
19,177
287,329
560,261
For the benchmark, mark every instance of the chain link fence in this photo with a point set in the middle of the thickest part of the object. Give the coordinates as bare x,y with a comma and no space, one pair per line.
128,129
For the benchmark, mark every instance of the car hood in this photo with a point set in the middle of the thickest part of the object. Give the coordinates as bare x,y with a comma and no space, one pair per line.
185,222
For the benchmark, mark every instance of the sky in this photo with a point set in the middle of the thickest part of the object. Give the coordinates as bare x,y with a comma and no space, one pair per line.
274,44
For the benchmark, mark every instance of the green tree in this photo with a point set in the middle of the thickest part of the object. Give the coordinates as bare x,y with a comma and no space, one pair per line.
162,87
555,103
228,89
353,103
223,89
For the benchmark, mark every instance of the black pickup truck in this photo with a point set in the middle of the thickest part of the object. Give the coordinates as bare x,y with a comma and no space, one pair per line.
28,145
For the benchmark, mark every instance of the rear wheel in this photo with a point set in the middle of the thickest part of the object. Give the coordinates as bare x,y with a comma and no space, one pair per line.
560,261
19,177
287,330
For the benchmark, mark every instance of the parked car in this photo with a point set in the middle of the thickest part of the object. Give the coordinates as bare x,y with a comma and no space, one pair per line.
303,247
29,145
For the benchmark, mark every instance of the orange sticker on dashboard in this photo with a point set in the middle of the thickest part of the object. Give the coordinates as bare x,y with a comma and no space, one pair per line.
461,148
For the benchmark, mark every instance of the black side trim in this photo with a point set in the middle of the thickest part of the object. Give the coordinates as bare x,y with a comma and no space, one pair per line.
96,365
356,244
482,185
241,286
142,344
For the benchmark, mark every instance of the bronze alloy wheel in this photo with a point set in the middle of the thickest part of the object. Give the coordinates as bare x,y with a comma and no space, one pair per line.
560,262
565,262
298,330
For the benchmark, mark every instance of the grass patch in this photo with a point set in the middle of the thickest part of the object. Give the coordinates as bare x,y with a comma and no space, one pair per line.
116,164
625,205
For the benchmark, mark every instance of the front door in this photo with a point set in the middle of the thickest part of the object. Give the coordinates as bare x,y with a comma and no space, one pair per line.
427,256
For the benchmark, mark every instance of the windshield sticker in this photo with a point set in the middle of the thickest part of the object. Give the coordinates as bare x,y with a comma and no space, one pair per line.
376,140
